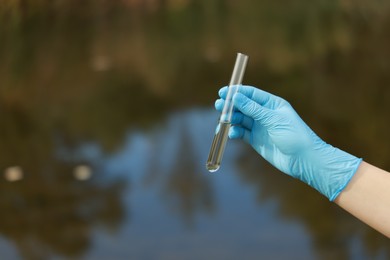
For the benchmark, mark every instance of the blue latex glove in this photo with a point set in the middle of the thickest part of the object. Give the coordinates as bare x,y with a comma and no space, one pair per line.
273,128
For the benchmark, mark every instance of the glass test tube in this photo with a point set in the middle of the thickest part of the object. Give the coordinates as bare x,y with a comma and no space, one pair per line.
221,132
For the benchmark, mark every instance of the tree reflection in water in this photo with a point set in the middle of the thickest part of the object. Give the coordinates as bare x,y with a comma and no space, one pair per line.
49,212
177,156
55,215
174,162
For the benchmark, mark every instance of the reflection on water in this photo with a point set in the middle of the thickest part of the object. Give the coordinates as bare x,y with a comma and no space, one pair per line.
175,206
54,215
178,207
82,172
14,173
104,132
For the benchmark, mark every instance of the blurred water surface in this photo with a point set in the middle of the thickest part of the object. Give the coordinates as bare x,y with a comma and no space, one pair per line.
106,118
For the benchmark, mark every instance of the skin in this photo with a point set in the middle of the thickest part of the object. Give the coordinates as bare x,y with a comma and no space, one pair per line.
367,197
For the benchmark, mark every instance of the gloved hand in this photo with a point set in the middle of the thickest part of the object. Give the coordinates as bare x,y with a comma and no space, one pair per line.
273,128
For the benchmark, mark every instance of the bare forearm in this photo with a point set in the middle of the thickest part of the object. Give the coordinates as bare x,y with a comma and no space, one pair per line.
367,197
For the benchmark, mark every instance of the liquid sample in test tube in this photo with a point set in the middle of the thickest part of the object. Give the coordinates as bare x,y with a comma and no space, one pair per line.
222,131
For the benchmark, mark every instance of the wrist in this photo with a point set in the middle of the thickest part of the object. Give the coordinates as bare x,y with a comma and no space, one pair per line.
344,166
330,169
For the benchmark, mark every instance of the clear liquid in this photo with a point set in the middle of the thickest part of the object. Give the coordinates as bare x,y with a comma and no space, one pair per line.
218,147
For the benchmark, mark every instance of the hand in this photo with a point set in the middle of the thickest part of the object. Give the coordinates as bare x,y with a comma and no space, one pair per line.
272,127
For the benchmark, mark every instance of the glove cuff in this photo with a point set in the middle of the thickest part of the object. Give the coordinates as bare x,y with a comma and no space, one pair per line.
330,170
343,181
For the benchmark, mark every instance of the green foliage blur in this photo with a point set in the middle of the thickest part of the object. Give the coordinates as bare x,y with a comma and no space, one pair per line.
69,67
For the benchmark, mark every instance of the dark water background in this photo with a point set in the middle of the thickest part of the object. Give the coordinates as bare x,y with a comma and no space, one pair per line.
125,90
